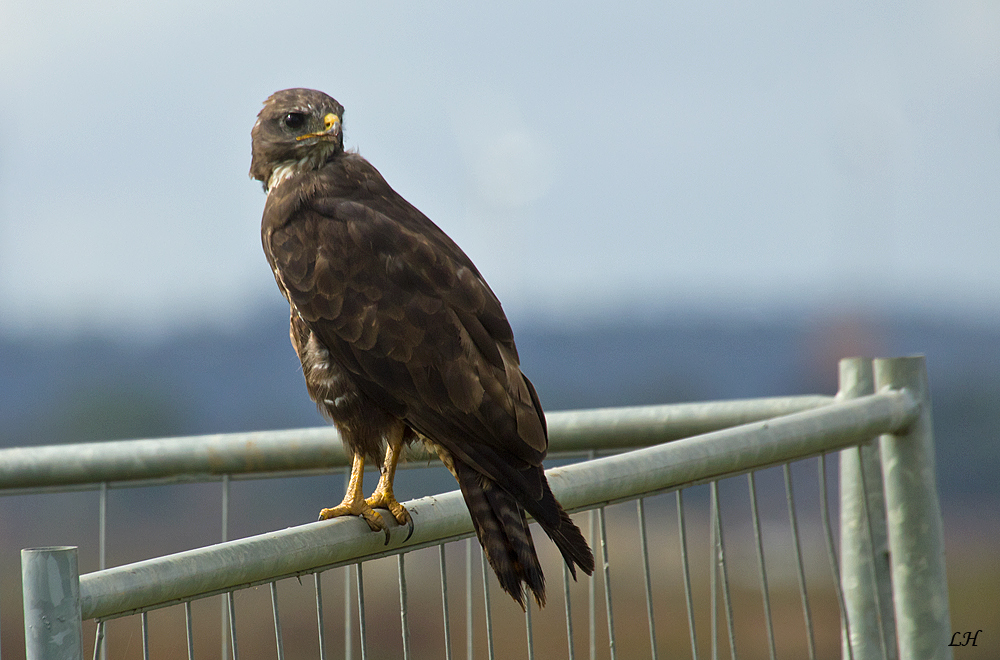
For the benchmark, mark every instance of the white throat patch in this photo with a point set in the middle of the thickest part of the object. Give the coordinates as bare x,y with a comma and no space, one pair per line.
284,171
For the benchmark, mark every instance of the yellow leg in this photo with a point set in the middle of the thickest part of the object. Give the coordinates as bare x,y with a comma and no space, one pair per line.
383,497
354,503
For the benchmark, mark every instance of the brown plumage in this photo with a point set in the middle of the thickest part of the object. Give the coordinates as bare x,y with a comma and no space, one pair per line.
401,338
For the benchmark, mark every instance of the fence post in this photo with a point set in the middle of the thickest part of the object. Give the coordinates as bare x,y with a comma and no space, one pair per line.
50,582
864,546
915,527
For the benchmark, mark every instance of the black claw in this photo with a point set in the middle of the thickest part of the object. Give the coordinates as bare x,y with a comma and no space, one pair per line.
386,530
409,524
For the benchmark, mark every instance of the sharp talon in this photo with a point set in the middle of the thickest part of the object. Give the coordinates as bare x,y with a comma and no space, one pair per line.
386,530
377,523
381,500
369,515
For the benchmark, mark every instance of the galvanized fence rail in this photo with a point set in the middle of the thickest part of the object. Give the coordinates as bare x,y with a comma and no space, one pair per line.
888,577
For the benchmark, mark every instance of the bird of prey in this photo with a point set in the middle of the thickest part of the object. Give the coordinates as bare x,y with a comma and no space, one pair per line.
401,340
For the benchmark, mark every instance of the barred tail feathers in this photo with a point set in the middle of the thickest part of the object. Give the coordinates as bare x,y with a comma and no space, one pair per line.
502,528
564,533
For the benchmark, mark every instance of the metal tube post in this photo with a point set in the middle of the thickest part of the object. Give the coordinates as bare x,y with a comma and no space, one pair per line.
864,547
50,579
915,528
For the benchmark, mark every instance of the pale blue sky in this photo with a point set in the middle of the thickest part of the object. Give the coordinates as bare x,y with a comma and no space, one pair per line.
592,158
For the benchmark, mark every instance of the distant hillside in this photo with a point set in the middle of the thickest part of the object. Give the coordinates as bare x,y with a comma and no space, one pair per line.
92,388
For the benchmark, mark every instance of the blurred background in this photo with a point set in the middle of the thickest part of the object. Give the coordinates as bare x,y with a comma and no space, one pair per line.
674,202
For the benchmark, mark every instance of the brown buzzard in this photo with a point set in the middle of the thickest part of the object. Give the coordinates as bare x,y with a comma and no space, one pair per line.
401,339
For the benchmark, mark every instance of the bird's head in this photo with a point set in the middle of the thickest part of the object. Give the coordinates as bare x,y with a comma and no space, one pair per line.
297,130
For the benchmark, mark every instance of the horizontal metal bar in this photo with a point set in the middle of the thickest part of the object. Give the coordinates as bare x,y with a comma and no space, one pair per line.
180,478
208,457
126,460
643,426
320,545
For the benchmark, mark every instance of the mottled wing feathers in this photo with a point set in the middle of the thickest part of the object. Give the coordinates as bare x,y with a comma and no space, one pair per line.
400,306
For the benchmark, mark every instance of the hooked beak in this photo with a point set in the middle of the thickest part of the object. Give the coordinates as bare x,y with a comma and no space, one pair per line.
331,124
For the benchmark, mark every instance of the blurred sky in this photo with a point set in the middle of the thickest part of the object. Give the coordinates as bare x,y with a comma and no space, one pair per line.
593,159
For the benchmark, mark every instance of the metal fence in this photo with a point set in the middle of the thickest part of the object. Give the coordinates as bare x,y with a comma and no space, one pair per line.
887,582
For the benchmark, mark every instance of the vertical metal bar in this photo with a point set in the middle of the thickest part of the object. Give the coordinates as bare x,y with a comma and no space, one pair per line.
686,570
602,523
225,508
98,641
190,630
527,629
569,611
797,547
864,551
723,572
713,575
223,609
144,617
404,624
444,603
755,515
831,552
320,628
102,526
231,600
592,585
486,605
50,583
644,544
348,624
279,644
362,628
468,598
915,527
103,541
877,543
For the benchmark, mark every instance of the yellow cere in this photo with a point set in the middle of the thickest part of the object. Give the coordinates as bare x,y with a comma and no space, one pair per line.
330,121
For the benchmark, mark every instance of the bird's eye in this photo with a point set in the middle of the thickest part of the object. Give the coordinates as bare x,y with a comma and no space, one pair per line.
294,120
